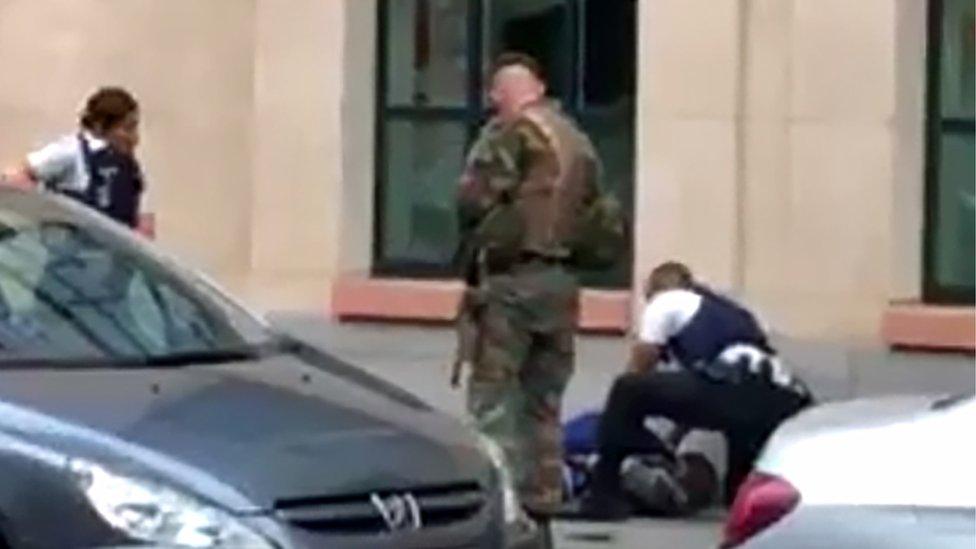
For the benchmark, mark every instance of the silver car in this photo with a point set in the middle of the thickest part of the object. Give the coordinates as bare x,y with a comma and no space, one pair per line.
139,406
892,473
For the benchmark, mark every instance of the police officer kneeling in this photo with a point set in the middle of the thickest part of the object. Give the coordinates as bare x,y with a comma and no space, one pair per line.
726,378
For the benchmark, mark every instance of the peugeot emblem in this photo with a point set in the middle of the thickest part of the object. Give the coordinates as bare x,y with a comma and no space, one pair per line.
400,512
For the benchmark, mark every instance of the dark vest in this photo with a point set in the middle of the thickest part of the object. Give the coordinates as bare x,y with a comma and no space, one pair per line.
717,324
114,183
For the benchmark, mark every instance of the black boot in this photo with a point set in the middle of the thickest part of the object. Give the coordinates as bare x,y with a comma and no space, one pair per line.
544,524
599,506
605,501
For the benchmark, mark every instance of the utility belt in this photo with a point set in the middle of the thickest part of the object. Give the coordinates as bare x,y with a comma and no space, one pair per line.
762,368
500,264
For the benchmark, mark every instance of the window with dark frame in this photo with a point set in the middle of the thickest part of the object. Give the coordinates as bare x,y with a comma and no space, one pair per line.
950,198
431,101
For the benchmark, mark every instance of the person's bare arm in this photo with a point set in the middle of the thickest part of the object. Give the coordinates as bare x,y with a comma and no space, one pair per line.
644,357
21,176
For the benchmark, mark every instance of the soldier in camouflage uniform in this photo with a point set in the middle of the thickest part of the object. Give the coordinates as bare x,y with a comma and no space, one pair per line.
527,177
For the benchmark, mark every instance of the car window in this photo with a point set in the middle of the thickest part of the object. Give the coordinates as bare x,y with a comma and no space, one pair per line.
164,320
69,289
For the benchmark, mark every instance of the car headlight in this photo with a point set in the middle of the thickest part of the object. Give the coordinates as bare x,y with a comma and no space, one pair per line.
511,507
151,512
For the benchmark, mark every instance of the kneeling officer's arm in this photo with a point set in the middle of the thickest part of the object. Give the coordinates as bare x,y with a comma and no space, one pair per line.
644,357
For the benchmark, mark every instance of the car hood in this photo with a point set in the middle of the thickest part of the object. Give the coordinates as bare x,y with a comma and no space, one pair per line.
271,429
886,451
855,414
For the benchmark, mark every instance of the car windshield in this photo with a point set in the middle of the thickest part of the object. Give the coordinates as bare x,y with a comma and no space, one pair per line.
75,288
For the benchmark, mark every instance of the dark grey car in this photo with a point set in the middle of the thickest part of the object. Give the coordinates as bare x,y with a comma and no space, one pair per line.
141,406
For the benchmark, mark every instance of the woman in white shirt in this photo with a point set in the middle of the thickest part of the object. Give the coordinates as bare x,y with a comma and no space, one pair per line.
96,165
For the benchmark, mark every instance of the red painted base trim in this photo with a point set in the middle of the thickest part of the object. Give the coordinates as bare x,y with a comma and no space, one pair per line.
916,325
406,300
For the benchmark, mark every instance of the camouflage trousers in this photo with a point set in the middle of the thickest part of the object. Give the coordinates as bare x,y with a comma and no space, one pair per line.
516,385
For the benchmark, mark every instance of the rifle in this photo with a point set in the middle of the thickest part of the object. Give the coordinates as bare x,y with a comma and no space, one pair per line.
467,323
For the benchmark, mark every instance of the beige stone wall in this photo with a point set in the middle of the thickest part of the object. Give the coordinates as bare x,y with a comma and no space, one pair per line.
781,153
779,141
297,160
686,135
315,66
358,138
257,135
313,155
189,65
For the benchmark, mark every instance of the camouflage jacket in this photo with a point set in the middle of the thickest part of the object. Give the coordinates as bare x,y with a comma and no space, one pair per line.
525,180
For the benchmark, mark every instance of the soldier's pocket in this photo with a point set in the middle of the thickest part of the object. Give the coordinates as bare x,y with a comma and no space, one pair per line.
502,347
551,371
492,406
496,364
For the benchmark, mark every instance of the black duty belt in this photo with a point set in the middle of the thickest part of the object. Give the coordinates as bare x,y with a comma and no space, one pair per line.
533,257
525,259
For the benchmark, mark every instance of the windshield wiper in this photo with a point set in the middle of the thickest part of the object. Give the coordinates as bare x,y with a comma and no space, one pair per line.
178,359
172,360
217,356
192,358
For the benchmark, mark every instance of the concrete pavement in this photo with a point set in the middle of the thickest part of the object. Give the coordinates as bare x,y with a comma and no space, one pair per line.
416,359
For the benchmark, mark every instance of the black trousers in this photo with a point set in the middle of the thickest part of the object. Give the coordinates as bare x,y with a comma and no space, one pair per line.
746,412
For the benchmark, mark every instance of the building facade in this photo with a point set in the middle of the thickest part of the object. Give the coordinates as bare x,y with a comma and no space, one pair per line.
814,157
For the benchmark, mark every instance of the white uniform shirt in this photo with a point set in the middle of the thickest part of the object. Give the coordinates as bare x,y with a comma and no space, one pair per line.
61,163
667,314
670,311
